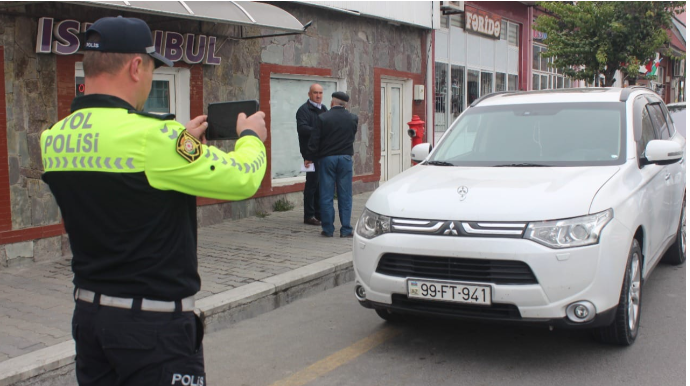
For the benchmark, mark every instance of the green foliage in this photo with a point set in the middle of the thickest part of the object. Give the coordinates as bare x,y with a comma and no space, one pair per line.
589,38
282,205
261,214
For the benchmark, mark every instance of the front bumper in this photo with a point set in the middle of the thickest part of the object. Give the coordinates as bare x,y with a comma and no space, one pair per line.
593,273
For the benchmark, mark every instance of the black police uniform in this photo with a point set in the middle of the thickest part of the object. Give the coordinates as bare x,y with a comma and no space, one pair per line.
126,183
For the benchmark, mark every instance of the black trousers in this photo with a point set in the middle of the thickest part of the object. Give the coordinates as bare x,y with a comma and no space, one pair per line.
132,347
311,196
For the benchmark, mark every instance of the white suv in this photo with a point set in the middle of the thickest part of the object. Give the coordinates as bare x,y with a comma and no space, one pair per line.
546,207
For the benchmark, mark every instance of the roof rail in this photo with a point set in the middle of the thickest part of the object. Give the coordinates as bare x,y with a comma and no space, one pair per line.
625,93
487,96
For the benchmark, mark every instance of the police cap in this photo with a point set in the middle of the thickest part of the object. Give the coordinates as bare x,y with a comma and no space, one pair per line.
126,35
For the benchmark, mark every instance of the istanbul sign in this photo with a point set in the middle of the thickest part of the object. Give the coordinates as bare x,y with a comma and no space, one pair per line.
63,38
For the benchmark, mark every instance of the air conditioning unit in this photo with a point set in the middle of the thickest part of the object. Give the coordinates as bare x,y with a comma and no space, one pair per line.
452,7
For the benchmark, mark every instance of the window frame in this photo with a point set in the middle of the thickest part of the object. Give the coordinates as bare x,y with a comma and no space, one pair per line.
179,79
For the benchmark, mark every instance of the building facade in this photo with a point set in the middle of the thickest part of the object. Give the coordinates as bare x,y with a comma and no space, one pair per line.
376,57
480,48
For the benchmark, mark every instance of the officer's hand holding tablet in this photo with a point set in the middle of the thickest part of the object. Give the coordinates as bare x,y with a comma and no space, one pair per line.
227,121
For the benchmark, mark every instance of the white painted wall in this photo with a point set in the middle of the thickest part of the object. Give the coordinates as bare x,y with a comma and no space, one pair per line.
418,13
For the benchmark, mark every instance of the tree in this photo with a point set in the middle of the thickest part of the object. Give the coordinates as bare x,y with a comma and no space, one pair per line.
592,38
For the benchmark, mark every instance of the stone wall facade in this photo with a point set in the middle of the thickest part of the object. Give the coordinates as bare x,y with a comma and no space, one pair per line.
350,47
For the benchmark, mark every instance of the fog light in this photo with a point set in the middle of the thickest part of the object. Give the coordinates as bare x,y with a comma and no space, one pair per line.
360,293
580,312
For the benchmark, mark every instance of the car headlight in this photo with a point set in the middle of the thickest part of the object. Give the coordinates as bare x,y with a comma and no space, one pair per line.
371,224
573,232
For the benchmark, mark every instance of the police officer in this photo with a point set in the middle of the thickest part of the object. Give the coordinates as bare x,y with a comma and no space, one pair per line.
126,183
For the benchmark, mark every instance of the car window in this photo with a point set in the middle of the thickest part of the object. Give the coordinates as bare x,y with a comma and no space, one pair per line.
678,117
669,120
552,134
658,120
648,133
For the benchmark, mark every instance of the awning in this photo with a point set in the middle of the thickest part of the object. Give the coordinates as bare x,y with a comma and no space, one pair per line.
243,13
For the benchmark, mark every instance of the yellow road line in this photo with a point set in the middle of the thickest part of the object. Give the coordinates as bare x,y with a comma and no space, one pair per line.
338,359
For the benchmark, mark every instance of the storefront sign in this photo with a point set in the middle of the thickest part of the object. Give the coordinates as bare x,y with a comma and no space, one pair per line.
482,22
539,35
65,38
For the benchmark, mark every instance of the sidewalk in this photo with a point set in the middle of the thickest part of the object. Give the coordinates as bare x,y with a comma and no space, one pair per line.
247,267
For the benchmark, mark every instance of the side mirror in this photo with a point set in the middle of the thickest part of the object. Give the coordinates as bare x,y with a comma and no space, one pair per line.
420,152
663,152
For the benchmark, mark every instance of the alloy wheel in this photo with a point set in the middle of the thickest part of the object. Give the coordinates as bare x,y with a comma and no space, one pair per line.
634,292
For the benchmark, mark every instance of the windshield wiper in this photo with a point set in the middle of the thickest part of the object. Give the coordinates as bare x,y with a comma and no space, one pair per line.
438,163
521,165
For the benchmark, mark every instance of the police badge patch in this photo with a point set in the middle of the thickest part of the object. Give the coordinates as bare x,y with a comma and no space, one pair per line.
188,146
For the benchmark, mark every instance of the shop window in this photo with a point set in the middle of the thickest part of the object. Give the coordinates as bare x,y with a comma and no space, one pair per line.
513,34
472,86
512,82
441,97
545,75
679,67
487,83
544,61
169,91
500,81
457,86
504,30
288,93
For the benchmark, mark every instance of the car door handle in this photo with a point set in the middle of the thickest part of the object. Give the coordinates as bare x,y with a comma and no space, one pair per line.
667,176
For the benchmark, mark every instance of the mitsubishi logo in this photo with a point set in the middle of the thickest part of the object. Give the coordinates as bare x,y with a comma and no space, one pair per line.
451,230
462,191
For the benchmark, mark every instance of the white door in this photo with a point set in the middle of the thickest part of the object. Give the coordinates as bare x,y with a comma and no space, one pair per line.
391,129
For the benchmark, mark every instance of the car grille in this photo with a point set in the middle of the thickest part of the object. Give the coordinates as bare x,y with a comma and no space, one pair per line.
457,269
494,311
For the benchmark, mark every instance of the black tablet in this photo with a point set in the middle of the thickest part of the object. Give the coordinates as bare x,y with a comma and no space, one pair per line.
222,118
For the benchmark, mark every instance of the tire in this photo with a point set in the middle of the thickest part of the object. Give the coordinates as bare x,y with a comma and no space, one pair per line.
623,331
676,254
389,316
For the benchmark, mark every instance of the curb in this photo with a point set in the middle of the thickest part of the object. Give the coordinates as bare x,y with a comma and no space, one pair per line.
216,311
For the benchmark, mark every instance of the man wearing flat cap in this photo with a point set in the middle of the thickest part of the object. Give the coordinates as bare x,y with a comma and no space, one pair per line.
126,183
332,144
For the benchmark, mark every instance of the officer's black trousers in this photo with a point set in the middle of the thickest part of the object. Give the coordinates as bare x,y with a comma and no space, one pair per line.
132,347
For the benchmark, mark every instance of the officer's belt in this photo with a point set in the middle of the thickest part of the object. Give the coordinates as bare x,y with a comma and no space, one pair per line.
127,303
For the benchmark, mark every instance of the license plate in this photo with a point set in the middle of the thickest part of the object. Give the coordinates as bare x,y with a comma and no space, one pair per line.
449,291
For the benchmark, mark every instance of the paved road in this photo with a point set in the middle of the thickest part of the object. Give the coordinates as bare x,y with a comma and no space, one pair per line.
328,339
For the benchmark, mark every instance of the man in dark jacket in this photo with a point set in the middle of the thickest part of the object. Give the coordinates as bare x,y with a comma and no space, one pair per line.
307,115
332,144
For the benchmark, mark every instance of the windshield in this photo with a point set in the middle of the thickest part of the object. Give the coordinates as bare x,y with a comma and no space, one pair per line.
551,134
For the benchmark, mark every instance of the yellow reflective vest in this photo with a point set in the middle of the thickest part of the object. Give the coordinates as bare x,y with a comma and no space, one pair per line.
114,140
